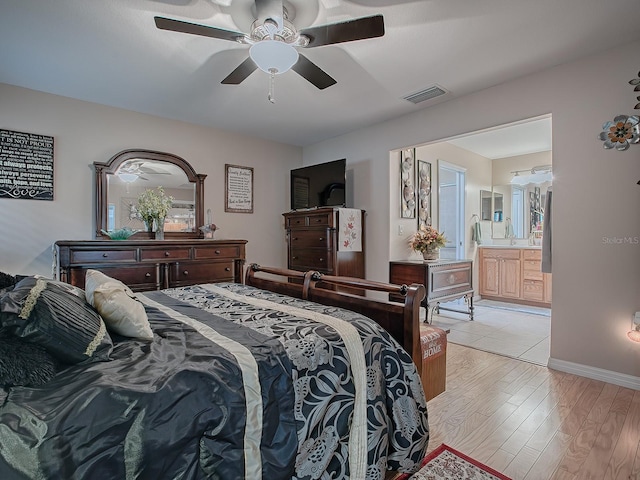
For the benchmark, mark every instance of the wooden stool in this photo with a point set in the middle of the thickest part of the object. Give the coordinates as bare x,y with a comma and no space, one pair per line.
433,344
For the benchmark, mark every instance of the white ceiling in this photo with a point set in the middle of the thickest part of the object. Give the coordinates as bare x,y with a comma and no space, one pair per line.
509,141
110,52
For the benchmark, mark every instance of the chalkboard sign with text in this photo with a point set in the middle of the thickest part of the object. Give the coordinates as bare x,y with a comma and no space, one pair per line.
26,165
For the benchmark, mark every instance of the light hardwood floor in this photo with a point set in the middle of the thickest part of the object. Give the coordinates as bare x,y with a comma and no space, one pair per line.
530,422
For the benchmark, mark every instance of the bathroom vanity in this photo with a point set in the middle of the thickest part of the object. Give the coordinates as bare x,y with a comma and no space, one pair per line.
513,274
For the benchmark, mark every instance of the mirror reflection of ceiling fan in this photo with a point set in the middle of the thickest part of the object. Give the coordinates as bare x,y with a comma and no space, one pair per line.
136,169
274,41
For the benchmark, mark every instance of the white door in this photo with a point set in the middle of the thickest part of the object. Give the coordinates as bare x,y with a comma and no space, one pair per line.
451,199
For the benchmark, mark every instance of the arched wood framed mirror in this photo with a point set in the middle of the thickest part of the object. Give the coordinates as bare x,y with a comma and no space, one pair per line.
127,174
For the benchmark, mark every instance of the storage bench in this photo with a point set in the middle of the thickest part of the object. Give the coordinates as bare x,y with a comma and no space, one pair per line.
433,344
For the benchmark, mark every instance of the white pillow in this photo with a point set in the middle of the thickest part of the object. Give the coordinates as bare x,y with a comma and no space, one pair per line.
117,305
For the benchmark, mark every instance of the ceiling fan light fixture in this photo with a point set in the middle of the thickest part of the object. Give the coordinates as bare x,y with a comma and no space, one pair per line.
273,55
128,177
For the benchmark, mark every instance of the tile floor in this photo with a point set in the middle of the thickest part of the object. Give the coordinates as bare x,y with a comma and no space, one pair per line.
520,335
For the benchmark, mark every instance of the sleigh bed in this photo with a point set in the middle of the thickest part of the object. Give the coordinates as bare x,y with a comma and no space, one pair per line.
285,376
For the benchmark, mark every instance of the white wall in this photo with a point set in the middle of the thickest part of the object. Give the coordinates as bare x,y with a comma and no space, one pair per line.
85,133
596,282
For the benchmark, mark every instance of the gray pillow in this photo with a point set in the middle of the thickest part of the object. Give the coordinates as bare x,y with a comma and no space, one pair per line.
44,313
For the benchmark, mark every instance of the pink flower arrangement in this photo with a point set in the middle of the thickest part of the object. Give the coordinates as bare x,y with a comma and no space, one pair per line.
427,239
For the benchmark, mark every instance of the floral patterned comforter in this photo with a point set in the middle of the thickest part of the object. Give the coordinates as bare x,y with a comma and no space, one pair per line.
237,383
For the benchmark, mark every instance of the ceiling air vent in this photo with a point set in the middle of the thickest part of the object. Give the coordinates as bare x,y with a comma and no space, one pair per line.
426,94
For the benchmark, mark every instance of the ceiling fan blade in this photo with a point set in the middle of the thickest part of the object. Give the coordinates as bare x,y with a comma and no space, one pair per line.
195,29
241,72
357,29
313,73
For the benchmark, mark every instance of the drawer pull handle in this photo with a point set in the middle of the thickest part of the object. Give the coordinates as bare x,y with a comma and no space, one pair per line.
321,239
322,259
148,275
186,272
295,258
295,238
227,269
217,252
167,254
105,255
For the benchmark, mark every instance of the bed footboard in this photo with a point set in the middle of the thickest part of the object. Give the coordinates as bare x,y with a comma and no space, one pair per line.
401,320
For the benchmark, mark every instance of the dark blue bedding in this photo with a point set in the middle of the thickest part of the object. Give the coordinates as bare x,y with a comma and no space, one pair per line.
237,383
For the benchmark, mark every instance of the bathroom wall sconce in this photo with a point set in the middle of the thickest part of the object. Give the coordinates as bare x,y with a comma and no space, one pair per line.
634,333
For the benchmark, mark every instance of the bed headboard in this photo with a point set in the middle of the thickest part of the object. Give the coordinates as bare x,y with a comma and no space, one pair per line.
402,321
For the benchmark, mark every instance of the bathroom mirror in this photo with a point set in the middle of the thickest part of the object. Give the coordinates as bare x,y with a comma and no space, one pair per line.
127,174
486,205
522,210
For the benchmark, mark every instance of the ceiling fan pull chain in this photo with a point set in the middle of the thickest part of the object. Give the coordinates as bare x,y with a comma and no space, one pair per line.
272,84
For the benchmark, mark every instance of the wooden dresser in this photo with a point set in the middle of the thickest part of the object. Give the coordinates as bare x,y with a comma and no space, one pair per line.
444,280
152,264
312,241
514,275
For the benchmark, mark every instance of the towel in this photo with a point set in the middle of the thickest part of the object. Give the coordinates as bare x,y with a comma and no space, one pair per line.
476,233
509,232
350,233
546,235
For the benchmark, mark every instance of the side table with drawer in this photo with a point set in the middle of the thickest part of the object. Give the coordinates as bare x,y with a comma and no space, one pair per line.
444,280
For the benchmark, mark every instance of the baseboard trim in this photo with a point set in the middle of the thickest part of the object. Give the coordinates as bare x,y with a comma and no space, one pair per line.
620,379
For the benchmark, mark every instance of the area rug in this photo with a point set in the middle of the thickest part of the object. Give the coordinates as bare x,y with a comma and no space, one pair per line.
445,463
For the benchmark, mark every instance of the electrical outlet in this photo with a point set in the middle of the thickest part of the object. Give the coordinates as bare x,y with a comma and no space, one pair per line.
636,320
401,232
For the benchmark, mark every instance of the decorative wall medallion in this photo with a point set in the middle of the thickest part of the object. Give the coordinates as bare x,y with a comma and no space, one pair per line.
407,187
424,193
636,82
619,134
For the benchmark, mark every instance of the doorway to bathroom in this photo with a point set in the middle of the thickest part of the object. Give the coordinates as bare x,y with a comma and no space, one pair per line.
511,167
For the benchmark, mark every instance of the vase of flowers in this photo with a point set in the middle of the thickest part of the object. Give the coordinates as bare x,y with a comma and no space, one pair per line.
428,241
153,207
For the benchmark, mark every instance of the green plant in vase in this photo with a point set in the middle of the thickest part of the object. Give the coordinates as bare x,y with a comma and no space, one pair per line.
153,206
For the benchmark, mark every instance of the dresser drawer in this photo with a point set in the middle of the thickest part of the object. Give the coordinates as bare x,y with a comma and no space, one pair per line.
310,259
164,253
137,277
310,238
532,275
532,255
510,253
209,252
103,255
448,280
190,273
533,265
317,219
533,290
320,219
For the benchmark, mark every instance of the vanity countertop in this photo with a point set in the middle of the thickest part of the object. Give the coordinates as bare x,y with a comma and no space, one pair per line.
525,247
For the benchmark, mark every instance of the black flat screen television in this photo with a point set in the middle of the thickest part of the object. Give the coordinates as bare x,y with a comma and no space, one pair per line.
320,185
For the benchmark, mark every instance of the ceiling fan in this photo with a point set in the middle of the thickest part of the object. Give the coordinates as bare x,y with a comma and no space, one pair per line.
273,39
132,170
